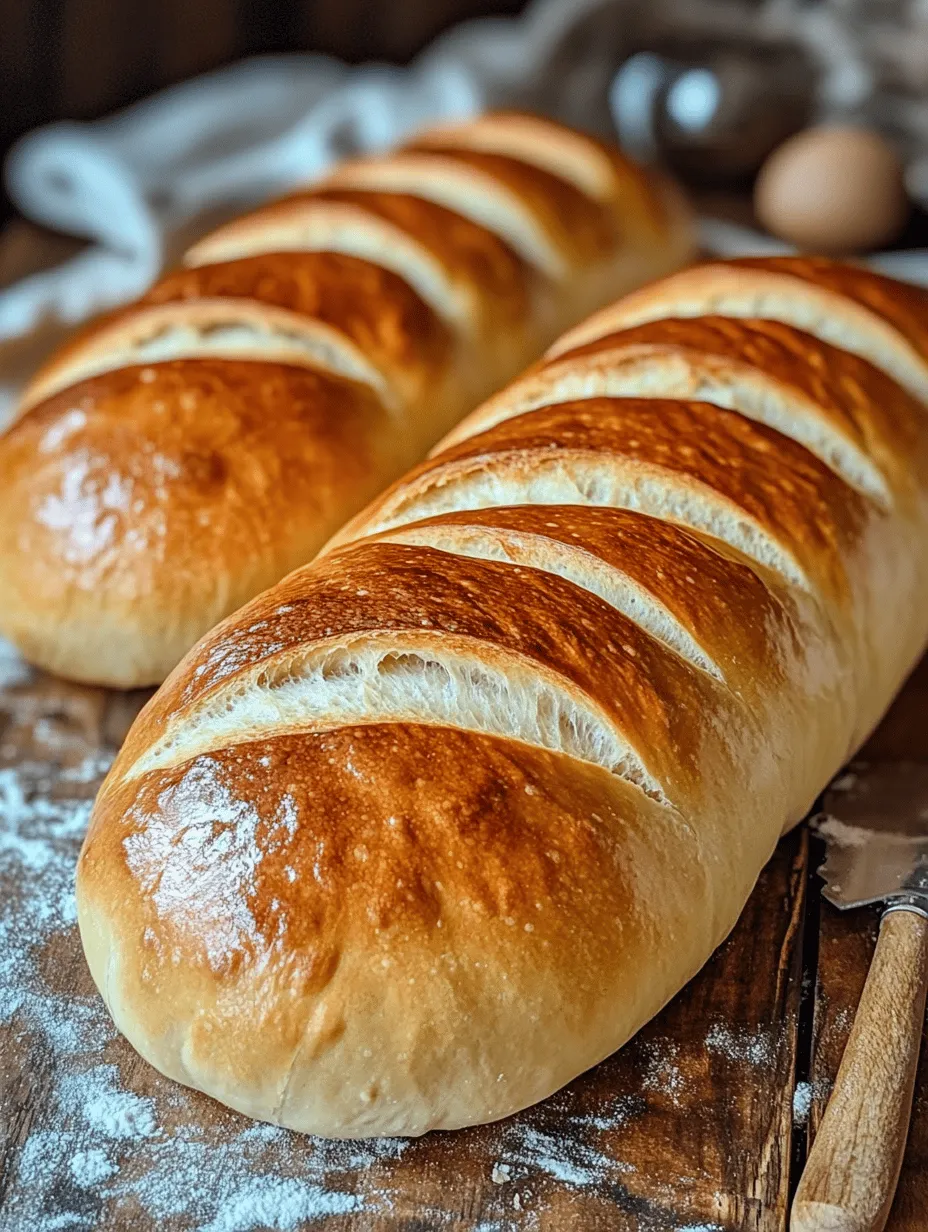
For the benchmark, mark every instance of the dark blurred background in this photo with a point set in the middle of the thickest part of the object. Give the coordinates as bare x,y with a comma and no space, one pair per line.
78,59
736,80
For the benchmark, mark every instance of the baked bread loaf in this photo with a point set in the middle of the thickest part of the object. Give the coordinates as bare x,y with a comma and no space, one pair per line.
183,454
443,818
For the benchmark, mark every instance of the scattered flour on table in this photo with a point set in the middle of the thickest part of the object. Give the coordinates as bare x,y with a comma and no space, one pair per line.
802,1102
97,1144
100,1144
563,1154
574,1148
91,1167
843,1020
751,1048
97,1141
662,1073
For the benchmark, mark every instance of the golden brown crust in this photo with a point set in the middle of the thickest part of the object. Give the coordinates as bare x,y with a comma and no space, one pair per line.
375,308
778,484
592,166
841,305
550,623
371,306
530,858
869,408
469,252
488,274
746,627
172,467
848,413
578,225
902,304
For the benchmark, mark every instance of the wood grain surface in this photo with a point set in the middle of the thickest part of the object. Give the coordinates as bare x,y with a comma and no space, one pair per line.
691,1127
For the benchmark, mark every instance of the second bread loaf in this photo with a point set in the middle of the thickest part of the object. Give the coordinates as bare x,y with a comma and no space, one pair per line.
186,452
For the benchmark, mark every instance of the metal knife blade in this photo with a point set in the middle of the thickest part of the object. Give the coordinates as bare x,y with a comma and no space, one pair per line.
875,825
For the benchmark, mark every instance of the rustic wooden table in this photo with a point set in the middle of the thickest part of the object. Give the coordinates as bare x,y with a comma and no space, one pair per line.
700,1124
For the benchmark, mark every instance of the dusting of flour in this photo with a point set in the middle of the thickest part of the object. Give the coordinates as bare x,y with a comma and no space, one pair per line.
115,1141
802,1102
111,1143
98,1142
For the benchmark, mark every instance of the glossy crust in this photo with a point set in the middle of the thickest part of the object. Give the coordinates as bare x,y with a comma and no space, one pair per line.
369,306
842,408
172,468
444,817
874,317
412,285
593,167
372,1013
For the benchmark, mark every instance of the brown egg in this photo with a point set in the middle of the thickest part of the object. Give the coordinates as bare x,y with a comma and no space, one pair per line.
832,189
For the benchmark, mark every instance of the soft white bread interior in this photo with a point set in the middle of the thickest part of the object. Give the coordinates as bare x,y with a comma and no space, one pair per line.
443,818
183,454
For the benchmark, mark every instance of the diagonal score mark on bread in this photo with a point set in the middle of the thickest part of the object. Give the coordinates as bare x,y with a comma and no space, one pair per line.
569,155
473,643
312,224
577,478
828,400
689,462
469,191
477,644
574,564
747,291
675,585
236,328
396,677
647,373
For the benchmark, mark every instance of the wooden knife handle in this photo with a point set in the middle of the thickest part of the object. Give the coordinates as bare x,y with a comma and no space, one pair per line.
851,1173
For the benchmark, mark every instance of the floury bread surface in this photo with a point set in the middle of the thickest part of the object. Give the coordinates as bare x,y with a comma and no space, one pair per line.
443,818
186,452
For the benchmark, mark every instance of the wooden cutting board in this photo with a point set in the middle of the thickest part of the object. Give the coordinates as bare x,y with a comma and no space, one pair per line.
700,1124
